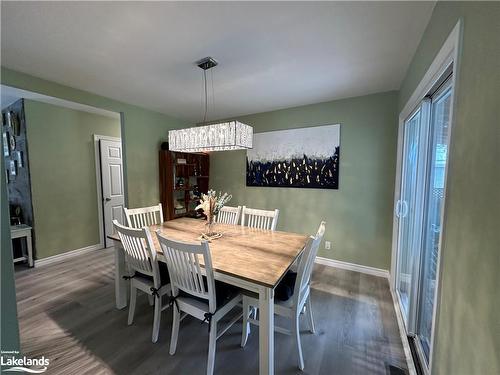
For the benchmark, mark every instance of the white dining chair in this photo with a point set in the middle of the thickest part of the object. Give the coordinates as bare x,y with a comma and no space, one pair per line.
261,219
144,216
145,273
195,292
229,215
298,303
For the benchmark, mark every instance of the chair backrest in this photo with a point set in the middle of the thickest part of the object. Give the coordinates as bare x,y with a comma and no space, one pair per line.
144,216
229,215
139,251
261,219
306,263
185,270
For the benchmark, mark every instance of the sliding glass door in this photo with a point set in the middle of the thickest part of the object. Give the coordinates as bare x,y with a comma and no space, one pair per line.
419,211
406,209
434,197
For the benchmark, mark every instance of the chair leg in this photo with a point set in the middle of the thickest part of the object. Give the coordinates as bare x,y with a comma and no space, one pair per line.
131,308
296,334
309,312
175,330
156,320
246,325
211,348
151,300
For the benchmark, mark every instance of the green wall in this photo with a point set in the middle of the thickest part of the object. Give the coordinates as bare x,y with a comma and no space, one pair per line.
8,313
63,177
359,213
142,133
468,329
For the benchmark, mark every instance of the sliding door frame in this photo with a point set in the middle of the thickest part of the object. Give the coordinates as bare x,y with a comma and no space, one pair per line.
442,88
423,111
446,57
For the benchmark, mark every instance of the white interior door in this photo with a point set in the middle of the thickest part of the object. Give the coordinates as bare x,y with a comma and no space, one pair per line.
113,197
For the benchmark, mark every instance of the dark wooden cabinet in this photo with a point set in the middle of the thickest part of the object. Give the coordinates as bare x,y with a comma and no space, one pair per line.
183,176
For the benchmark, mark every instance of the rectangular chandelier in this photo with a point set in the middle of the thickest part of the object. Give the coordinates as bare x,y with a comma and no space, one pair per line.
232,135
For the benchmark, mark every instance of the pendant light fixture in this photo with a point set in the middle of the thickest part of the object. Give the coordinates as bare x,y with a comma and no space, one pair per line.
228,135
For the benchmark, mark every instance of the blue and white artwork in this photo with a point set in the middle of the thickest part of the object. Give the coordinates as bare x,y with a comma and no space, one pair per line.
301,158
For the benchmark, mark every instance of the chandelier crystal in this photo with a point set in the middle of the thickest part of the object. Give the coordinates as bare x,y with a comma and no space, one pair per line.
232,135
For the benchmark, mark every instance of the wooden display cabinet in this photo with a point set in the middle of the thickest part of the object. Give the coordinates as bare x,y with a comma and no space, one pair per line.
180,174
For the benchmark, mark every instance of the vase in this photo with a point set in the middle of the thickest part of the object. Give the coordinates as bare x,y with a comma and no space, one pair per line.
210,225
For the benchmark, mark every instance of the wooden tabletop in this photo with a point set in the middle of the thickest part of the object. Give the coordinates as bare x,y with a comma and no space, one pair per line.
256,255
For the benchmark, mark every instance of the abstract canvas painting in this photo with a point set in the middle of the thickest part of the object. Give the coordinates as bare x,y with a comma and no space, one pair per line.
301,158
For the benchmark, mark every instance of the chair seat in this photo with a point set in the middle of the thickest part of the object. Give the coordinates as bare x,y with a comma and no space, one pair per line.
283,291
164,276
254,301
223,294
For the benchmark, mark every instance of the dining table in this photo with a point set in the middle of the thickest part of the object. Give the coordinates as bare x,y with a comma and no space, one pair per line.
248,258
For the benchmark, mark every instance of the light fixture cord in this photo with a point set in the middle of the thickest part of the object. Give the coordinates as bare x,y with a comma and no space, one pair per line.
213,92
206,96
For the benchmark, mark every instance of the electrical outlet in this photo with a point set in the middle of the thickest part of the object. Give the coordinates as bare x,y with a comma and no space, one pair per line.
328,245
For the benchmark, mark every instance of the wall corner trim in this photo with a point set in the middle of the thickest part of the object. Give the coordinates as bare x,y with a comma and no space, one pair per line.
68,254
353,267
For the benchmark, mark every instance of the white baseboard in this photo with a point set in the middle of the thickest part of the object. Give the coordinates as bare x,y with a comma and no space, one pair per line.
353,267
67,254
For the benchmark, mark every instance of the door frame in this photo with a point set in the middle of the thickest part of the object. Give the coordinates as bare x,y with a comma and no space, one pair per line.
98,178
448,55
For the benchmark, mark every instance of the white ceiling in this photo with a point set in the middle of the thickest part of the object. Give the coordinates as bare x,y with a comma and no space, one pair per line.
271,55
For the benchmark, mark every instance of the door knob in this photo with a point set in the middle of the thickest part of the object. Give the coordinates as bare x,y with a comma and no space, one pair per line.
108,199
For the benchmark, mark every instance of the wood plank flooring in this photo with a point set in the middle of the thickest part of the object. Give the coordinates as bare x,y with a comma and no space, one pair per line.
66,313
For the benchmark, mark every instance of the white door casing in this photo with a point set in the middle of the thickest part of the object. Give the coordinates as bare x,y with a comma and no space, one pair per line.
113,196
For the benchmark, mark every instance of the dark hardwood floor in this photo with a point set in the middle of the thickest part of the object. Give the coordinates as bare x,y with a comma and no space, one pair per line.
66,313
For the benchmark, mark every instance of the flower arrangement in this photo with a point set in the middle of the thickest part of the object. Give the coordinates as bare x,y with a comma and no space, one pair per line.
211,204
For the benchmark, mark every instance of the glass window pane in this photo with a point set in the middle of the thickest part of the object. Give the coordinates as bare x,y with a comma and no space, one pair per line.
407,216
439,127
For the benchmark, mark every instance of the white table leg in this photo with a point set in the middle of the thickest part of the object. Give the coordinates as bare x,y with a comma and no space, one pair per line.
29,244
266,331
120,271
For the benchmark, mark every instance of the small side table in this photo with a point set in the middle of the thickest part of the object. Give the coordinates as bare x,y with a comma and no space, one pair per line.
20,231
